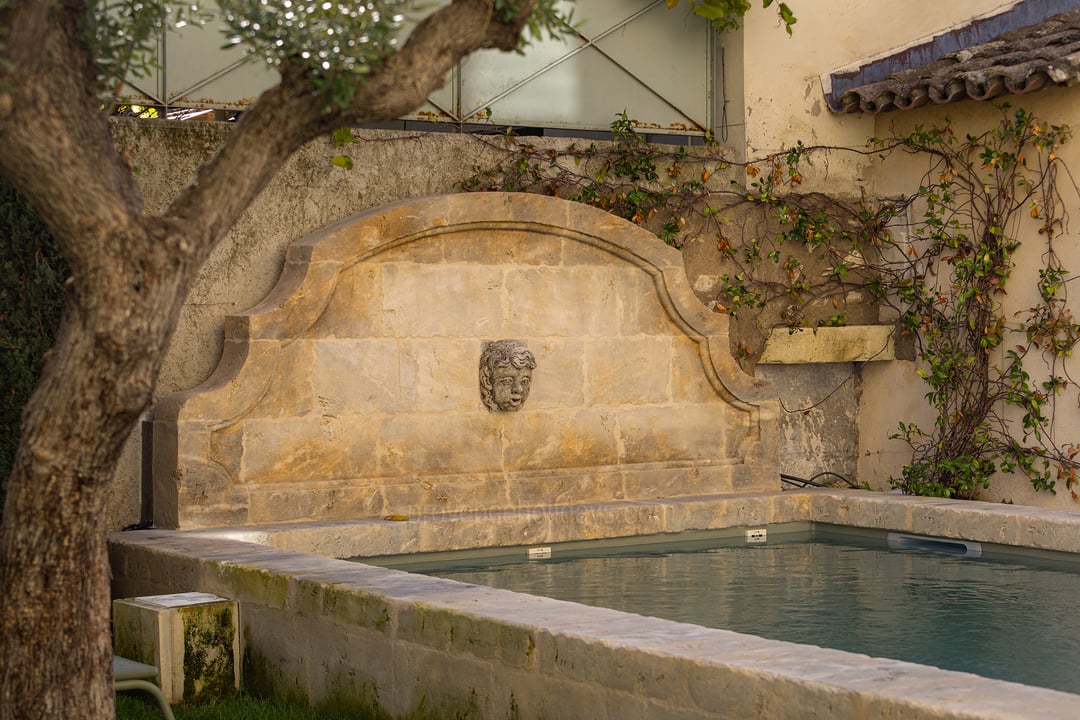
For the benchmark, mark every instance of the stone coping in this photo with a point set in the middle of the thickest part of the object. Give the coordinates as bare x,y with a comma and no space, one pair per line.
546,657
1014,525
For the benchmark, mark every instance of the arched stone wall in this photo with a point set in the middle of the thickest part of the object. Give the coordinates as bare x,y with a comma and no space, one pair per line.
352,390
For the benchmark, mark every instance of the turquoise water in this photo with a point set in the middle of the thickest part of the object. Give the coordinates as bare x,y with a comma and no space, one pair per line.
1000,619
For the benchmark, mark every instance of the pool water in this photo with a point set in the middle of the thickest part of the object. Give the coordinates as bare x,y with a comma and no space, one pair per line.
1001,618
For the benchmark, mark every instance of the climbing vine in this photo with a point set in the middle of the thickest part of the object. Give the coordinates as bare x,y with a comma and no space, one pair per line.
948,281
938,259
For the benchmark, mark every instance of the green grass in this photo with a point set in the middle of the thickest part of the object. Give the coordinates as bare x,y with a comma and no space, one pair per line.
139,706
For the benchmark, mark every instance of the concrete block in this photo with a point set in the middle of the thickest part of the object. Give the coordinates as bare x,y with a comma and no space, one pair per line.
193,639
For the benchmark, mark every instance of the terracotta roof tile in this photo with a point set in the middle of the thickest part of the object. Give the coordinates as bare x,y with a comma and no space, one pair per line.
1021,61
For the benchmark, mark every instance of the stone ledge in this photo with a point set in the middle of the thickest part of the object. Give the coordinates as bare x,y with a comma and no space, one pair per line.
854,343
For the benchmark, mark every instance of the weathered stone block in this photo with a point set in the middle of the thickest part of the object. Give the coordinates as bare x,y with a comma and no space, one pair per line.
357,377
355,308
559,302
357,499
423,444
294,449
627,370
439,374
557,359
689,381
568,439
587,485
416,297
193,639
659,433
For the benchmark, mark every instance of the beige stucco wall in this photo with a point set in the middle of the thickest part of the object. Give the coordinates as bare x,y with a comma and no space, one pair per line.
781,75
884,385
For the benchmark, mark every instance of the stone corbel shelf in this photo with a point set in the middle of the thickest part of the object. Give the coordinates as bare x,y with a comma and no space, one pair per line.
855,343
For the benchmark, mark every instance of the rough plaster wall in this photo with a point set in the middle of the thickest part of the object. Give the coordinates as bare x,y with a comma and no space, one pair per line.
818,417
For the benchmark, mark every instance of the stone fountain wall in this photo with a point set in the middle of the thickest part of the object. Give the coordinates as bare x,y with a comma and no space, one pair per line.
352,391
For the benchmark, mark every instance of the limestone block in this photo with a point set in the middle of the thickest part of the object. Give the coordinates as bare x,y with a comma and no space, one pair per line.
558,380
628,370
489,529
567,439
240,381
432,252
421,497
291,449
316,501
587,485
457,633
587,522
439,374
650,483
291,382
867,510
355,310
354,377
640,309
854,343
656,433
443,685
226,449
689,382
428,443
193,639
418,299
502,246
561,302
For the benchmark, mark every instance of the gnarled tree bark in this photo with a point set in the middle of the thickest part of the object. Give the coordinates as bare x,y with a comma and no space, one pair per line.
130,275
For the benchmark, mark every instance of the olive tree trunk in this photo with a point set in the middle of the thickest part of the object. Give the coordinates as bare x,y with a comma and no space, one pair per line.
130,275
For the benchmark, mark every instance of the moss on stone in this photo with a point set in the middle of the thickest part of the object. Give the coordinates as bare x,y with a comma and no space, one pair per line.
209,665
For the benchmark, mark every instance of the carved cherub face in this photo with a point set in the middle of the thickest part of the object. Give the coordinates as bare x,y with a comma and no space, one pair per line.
505,375
510,386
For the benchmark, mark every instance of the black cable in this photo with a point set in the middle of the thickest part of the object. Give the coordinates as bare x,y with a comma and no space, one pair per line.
813,481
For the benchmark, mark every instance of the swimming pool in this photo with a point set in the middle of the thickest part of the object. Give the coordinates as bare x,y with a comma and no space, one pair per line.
962,606
398,641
